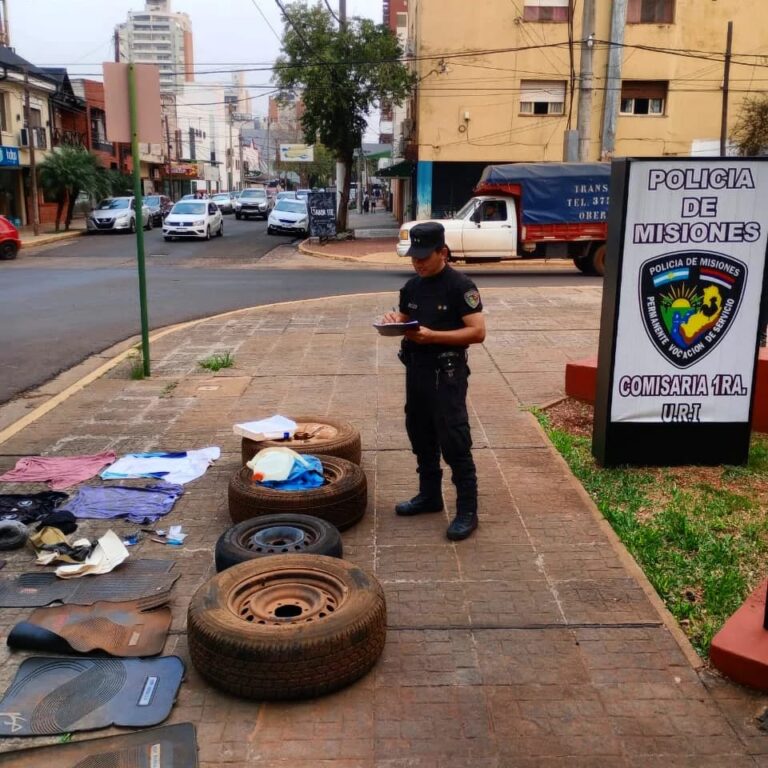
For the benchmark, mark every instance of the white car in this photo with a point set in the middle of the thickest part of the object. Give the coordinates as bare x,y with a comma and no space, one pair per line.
290,216
115,214
193,218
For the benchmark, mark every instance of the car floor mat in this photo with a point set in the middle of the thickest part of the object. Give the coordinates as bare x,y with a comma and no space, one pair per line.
132,628
129,581
170,746
51,695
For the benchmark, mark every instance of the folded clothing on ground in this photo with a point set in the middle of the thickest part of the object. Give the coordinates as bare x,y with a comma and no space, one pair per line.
29,508
137,505
171,466
58,471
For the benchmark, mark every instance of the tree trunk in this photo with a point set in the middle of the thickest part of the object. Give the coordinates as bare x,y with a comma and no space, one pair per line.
71,207
341,218
60,198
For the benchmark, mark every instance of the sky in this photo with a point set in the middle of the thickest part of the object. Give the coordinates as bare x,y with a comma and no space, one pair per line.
78,34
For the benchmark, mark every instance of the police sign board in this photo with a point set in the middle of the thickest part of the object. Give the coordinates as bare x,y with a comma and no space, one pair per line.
322,214
681,307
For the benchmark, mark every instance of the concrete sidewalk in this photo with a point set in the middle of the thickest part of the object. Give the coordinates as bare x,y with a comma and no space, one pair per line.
537,642
47,234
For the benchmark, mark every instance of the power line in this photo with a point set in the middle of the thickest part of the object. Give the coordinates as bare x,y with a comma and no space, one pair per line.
263,16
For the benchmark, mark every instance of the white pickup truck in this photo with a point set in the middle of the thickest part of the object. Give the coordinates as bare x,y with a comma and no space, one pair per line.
531,209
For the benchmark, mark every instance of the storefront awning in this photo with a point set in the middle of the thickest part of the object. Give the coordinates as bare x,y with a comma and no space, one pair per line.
401,170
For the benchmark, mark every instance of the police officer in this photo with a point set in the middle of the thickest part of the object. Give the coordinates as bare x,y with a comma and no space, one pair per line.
447,305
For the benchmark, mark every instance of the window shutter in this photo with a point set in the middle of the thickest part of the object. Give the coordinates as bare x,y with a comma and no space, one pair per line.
644,89
548,91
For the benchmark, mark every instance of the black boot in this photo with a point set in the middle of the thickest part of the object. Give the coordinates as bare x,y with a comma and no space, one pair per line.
465,521
420,504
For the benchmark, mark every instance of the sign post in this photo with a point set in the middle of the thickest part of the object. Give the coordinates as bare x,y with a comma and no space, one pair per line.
681,311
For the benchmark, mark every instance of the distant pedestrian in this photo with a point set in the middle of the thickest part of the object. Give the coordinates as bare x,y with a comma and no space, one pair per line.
366,204
373,205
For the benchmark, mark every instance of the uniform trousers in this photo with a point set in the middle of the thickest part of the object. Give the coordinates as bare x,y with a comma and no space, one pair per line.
437,422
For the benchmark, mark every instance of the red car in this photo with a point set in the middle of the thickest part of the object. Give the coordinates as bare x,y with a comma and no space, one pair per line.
10,242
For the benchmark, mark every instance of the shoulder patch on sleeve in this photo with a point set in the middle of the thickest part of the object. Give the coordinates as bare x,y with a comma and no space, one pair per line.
472,298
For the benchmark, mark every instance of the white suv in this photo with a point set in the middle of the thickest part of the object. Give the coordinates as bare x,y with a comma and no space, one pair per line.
193,218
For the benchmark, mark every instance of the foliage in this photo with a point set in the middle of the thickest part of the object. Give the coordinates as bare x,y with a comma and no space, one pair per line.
217,361
65,173
342,75
702,546
750,134
118,184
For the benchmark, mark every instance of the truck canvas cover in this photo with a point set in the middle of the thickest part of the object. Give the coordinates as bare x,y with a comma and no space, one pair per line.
552,193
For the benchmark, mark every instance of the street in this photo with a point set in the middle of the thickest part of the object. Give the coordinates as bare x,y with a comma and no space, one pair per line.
60,304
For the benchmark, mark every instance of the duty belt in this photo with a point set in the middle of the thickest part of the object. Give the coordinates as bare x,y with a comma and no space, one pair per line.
444,360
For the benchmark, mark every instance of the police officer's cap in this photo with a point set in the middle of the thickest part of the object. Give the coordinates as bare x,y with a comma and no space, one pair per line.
426,238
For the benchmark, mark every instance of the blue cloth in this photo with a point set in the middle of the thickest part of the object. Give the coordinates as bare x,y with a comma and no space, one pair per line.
306,474
137,505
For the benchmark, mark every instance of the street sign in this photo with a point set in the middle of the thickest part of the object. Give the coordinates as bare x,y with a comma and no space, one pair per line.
322,214
9,156
148,102
682,302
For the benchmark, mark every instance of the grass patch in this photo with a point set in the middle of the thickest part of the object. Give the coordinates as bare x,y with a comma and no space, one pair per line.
217,362
136,362
698,532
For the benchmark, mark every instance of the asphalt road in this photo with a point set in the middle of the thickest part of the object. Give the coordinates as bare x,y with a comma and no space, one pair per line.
60,304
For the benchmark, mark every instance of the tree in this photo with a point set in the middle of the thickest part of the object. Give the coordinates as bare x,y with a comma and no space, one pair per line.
67,172
342,74
750,134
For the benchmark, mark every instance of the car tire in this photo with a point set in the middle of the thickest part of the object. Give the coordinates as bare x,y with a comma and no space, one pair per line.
13,534
597,258
268,535
342,500
238,216
208,233
290,627
167,238
220,233
148,228
8,250
132,227
330,437
270,231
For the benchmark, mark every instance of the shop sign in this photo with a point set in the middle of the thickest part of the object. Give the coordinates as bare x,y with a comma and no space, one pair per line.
681,311
186,170
9,156
322,214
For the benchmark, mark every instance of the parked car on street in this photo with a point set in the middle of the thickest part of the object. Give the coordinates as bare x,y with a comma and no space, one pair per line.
289,216
303,194
10,242
225,201
193,218
159,207
253,202
118,214
286,195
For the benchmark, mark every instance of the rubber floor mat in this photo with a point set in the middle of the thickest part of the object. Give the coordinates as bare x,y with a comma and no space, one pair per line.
133,628
129,581
61,695
171,746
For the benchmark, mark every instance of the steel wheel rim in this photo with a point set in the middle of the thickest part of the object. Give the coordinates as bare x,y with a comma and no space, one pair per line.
288,597
279,538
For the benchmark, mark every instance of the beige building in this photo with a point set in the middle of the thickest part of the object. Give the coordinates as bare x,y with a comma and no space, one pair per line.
498,82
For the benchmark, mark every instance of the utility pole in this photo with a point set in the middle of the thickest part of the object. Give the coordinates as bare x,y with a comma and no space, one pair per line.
613,79
230,154
584,120
726,88
32,163
240,152
5,32
269,152
340,167
170,161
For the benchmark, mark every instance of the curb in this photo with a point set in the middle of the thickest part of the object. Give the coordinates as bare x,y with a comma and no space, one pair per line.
629,562
48,239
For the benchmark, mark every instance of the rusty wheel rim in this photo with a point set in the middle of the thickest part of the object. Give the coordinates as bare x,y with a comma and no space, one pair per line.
278,538
287,597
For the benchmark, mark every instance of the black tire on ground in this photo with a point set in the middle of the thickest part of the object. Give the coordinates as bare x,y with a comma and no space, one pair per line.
220,233
276,535
207,233
597,256
341,501
583,263
13,534
270,231
289,627
8,251
148,228
238,216
167,238
330,437
132,227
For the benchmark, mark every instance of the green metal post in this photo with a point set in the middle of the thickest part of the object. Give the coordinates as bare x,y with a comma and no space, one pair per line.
133,107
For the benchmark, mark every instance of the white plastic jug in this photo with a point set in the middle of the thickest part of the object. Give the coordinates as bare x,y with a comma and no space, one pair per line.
271,464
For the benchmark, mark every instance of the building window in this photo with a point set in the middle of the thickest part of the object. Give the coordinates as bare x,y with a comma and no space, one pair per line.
650,11
3,111
542,97
643,97
545,10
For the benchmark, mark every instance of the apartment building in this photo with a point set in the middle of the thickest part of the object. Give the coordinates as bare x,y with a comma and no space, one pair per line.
499,82
158,36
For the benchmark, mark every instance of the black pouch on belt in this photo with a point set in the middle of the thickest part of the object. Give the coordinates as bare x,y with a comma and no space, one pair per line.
449,361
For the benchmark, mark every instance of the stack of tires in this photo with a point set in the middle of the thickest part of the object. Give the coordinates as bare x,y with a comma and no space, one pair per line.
285,617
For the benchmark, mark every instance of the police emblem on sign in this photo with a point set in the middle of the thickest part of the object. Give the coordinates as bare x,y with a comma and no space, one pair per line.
688,302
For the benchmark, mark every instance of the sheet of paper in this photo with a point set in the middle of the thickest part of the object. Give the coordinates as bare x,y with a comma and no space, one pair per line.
273,428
